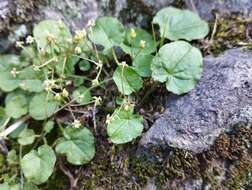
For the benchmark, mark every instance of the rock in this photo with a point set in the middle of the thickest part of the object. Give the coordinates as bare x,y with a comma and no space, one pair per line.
75,14
206,7
222,99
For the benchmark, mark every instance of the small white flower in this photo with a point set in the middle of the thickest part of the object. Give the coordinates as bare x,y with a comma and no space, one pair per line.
76,123
65,93
49,84
14,72
19,44
124,64
79,35
29,40
57,97
91,23
109,119
77,50
98,100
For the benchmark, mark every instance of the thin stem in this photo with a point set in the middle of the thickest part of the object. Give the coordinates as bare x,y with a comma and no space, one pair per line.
115,57
154,36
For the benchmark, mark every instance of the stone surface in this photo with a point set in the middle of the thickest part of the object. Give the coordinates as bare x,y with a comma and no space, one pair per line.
222,99
205,8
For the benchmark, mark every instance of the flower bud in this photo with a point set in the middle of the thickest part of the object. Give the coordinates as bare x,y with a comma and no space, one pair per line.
142,44
132,33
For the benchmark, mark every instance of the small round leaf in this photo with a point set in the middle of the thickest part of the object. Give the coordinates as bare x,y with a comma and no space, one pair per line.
16,105
127,80
142,64
179,65
178,24
132,45
42,106
107,32
38,166
125,126
77,145
82,95
54,28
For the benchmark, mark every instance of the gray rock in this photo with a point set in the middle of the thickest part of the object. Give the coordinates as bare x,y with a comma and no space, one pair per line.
75,14
222,99
206,7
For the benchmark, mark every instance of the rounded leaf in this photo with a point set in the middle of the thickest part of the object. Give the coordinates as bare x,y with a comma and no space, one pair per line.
77,145
142,64
16,105
179,65
54,28
8,82
132,45
107,32
125,126
26,137
127,80
82,95
178,24
38,166
42,106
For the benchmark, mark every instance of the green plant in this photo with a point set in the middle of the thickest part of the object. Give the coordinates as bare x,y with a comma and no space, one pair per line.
57,72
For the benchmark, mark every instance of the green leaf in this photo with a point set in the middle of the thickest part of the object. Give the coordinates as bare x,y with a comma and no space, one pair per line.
142,64
77,145
107,32
70,63
8,83
30,186
33,85
125,126
178,24
12,157
26,137
84,65
3,117
49,126
179,65
42,106
9,61
132,45
50,27
16,105
38,166
82,95
127,80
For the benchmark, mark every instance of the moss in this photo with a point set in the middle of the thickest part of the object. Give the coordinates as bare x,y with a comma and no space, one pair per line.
19,12
231,31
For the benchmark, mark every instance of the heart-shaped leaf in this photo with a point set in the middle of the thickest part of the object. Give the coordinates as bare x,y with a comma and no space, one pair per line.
179,65
178,24
132,46
142,64
38,166
127,80
125,126
82,95
8,82
26,137
9,61
16,104
107,32
50,28
42,106
77,145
